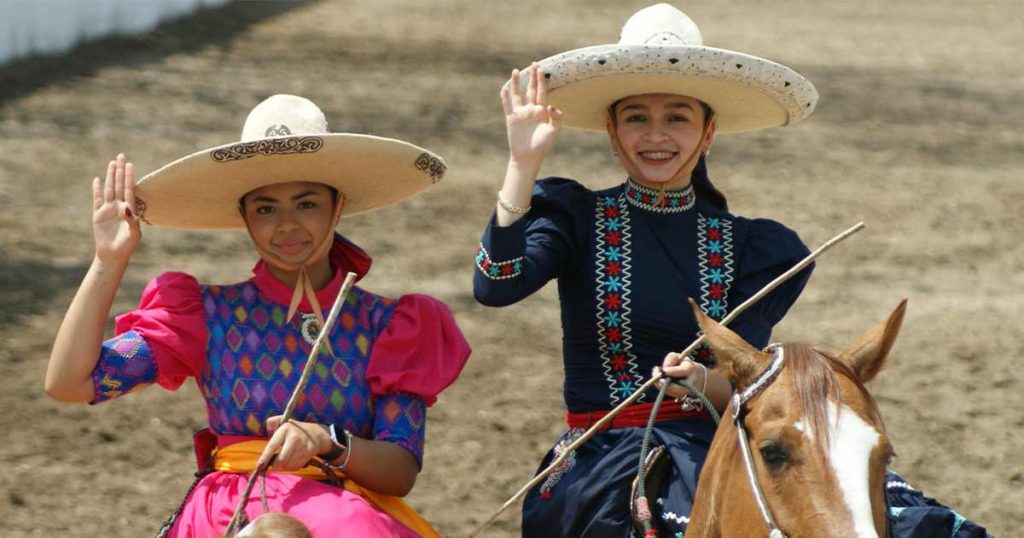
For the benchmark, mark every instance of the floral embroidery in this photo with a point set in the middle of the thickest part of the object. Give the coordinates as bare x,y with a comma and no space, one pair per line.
657,201
277,130
431,165
551,481
715,263
614,269
714,252
245,150
497,270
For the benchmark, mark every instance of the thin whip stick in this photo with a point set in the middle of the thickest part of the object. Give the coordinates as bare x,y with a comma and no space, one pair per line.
599,425
289,408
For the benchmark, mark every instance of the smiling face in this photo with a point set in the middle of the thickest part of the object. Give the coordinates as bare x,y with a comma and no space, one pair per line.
656,134
289,220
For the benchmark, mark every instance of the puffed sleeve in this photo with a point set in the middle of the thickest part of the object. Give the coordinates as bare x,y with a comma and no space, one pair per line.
516,260
769,249
163,341
419,353
421,350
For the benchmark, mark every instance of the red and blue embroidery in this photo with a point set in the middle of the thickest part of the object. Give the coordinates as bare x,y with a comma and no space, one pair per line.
497,270
613,260
715,263
657,201
570,437
614,265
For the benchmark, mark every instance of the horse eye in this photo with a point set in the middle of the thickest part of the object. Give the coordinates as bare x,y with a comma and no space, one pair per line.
774,456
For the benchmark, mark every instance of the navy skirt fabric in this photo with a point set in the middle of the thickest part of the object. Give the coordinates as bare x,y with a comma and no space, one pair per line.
913,515
588,495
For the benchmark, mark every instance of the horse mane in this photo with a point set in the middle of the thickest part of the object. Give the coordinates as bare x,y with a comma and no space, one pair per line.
814,380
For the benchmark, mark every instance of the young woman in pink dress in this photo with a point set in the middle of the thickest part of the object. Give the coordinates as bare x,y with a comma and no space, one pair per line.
362,416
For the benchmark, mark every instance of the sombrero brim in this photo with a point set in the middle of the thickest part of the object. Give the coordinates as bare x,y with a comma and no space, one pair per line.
746,92
202,190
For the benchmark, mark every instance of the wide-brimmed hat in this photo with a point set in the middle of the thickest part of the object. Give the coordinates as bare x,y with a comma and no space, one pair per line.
285,138
661,50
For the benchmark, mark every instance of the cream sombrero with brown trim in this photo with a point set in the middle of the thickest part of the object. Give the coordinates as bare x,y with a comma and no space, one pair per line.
661,50
285,139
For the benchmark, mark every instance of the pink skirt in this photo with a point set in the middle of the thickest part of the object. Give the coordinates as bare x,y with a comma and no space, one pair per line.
327,510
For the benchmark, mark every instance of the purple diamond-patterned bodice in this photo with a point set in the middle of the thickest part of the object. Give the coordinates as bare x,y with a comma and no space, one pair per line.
255,359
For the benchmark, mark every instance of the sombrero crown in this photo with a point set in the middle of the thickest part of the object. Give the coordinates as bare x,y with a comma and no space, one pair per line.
661,50
285,138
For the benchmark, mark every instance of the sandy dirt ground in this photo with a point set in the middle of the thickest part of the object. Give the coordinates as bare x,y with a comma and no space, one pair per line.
918,133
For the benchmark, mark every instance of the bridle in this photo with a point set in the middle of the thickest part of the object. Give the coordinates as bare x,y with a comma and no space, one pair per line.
760,382
739,399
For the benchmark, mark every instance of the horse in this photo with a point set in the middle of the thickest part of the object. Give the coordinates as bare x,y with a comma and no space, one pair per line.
808,435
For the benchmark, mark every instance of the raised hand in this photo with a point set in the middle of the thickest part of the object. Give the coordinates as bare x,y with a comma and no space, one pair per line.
532,124
115,226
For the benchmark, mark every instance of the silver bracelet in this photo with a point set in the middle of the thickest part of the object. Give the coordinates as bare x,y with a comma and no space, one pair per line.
511,208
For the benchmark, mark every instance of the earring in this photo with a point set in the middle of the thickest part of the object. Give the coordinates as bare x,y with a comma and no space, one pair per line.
707,151
614,153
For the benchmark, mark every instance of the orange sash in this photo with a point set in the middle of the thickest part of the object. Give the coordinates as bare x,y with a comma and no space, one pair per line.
241,458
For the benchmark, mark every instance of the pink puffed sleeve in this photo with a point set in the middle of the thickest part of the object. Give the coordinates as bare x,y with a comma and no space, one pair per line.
170,321
421,350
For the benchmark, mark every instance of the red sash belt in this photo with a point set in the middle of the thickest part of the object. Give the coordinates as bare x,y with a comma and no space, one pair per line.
634,416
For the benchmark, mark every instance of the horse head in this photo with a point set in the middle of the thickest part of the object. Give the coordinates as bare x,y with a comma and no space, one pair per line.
818,447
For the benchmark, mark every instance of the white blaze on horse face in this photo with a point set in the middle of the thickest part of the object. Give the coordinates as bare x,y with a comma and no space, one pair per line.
851,443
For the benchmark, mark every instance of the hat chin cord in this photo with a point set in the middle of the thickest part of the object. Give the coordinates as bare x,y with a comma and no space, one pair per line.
304,284
694,155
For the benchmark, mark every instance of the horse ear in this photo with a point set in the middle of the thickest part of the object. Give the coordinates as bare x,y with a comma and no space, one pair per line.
867,353
735,358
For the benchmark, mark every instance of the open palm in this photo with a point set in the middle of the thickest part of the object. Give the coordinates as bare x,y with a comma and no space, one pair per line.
532,124
114,225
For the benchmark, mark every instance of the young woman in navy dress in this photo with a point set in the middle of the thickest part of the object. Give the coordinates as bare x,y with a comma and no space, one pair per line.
628,257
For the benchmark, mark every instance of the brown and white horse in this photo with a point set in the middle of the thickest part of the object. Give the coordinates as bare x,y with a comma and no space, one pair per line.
818,449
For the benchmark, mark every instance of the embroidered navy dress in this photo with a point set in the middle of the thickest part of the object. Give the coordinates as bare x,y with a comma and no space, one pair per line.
626,266
626,262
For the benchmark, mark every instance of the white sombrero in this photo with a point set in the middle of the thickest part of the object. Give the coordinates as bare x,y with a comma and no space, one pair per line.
661,51
285,139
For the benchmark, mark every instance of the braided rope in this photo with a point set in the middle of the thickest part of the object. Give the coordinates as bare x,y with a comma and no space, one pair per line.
645,445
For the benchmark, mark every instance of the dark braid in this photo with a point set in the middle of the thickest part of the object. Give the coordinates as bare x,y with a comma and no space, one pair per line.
704,189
